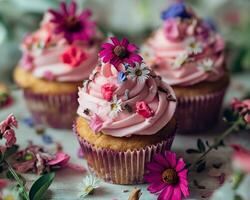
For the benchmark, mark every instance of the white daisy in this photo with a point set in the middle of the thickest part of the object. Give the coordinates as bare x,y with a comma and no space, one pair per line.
206,65
88,185
180,60
140,71
115,107
10,194
193,46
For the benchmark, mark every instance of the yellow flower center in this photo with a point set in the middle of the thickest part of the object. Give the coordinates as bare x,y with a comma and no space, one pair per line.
138,72
120,51
170,176
113,106
28,156
89,189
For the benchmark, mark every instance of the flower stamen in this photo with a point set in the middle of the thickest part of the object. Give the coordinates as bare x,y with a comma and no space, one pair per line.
170,176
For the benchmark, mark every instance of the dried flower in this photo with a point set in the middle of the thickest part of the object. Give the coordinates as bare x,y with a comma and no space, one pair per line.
107,91
206,65
143,109
88,185
115,107
118,52
71,25
73,56
139,72
193,46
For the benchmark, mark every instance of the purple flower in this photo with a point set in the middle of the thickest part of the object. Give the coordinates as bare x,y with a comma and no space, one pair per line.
167,177
121,77
175,10
73,26
118,52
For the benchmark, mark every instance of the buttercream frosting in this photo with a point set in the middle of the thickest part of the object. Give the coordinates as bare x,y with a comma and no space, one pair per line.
50,56
185,51
139,103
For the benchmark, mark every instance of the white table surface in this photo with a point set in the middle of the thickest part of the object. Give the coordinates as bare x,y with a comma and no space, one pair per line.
66,182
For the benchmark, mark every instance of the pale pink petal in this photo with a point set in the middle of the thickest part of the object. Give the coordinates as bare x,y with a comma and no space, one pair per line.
60,159
76,167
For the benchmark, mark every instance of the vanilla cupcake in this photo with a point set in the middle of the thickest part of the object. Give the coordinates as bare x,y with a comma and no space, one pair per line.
189,55
56,59
126,115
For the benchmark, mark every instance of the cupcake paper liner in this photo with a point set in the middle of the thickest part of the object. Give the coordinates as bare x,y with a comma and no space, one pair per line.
121,167
199,113
57,111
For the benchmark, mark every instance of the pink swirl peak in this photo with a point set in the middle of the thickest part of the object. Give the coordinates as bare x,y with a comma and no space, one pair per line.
185,50
134,103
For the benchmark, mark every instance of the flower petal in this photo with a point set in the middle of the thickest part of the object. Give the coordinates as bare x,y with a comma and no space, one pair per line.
156,187
171,157
180,165
132,47
107,46
161,160
124,42
155,167
166,193
153,177
72,8
176,194
115,41
183,174
135,58
184,190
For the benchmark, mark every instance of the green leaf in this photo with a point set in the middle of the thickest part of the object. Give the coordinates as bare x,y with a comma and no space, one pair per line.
10,176
40,186
201,146
238,197
190,151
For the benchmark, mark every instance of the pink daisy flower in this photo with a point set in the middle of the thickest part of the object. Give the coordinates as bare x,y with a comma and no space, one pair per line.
118,52
73,26
167,177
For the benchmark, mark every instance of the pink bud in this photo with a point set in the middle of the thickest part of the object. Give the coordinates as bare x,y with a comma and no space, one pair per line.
143,109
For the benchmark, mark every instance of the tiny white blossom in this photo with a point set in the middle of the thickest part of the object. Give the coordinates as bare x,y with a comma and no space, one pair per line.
193,46
206,65
115,107
140,71
8,193
180,60
88,185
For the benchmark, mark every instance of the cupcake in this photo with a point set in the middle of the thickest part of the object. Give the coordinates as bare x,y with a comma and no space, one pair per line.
189,55
56,59
125,115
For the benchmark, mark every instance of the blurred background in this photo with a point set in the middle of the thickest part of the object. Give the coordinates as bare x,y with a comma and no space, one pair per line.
134,19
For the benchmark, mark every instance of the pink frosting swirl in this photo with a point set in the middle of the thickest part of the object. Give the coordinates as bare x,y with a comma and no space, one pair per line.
48,55
144,106
185,52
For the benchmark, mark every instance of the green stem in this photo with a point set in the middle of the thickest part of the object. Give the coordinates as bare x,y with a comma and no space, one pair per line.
217,142
19,181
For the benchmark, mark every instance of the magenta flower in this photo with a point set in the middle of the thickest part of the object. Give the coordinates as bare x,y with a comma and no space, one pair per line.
73,26
118,52
107,91
96,123
143,109
167,177
73,56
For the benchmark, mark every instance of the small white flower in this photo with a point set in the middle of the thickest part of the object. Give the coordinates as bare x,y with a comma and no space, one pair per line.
193,46
10,194
88,185
115,107
140,71
206,65
180,60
